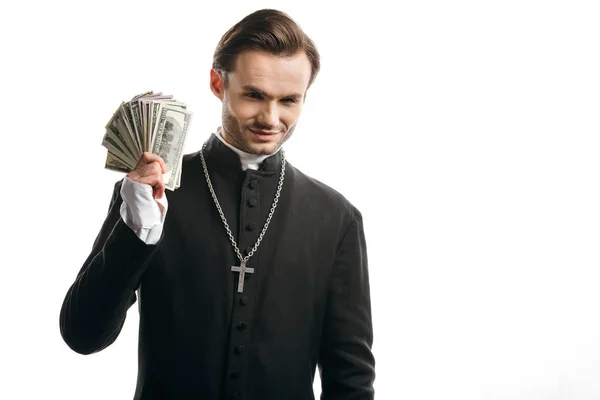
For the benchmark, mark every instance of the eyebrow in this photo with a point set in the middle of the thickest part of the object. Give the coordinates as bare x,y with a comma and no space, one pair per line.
250,88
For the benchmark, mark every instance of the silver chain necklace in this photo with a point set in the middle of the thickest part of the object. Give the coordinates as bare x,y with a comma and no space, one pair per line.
242,269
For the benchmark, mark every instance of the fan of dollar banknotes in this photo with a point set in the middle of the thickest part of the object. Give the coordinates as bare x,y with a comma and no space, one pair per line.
149,122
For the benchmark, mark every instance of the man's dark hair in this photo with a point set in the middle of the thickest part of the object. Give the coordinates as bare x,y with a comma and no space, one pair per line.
267,30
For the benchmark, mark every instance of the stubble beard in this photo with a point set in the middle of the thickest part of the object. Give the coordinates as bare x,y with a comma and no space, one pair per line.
234,135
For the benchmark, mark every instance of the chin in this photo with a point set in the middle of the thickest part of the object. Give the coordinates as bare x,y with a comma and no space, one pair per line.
263,149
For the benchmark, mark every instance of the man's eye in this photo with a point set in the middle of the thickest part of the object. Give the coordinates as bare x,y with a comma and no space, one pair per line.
289,100
254,95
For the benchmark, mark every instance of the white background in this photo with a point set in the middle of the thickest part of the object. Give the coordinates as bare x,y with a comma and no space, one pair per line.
467,132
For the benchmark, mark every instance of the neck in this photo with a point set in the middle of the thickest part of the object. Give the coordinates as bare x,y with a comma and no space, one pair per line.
248,160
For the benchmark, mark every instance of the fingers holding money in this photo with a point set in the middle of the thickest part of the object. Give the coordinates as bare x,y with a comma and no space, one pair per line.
149,122
149,170
149,158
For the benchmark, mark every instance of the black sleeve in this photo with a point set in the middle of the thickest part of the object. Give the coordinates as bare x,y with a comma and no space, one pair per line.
346,362
96,304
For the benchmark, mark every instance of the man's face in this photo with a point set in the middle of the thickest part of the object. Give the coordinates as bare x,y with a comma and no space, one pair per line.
262,100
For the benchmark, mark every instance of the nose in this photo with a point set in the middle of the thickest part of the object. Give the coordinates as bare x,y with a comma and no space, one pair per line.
269,115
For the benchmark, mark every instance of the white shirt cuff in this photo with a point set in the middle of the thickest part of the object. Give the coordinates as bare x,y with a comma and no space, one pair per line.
141,212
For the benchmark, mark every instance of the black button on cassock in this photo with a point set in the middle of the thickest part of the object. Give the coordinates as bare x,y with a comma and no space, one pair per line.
253,184
247,250
239,350
244,300
242,326
251,226
252,202
234,396
236,374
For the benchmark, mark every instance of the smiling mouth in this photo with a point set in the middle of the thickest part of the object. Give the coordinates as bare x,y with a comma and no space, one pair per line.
264,136
263,133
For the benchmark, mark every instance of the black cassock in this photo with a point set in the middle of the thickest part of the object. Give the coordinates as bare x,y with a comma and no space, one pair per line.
306,304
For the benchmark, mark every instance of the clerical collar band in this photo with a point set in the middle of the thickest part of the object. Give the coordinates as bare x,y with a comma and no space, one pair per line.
218,153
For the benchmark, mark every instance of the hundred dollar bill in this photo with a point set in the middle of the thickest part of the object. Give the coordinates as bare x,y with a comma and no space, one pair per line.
112,143
139,117
144,104
127,119
155,112
172,127
143,107
117,126
178,180
142,95
137,123
114,163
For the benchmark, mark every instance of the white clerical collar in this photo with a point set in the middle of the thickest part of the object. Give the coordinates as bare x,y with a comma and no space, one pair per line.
248,160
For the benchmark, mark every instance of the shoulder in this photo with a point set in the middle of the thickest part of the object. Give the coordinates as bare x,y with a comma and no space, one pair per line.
190,157
191,165
323,195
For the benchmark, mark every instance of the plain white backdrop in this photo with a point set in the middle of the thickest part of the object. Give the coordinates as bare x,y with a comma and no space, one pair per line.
467,132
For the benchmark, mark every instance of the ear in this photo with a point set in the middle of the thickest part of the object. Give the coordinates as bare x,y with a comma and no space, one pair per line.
216,84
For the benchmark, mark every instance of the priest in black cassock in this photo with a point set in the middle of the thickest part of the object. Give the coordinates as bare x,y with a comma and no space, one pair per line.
251,274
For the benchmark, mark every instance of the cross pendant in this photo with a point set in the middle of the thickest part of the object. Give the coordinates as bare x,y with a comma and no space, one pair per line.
243,270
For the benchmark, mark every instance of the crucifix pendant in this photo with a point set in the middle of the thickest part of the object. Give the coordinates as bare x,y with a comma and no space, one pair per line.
243,270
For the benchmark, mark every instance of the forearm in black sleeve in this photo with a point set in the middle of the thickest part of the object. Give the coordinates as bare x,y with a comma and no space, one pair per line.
346,361
96,304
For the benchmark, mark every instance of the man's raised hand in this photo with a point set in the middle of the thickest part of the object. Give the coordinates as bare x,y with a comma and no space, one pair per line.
149,170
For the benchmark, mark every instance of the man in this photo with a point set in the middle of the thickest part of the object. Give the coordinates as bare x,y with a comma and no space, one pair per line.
251,273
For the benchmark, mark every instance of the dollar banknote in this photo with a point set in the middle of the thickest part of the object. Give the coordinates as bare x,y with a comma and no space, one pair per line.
168,141
149,122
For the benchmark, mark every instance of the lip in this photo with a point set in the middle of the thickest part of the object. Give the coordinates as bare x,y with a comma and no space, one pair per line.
263,136
263,133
